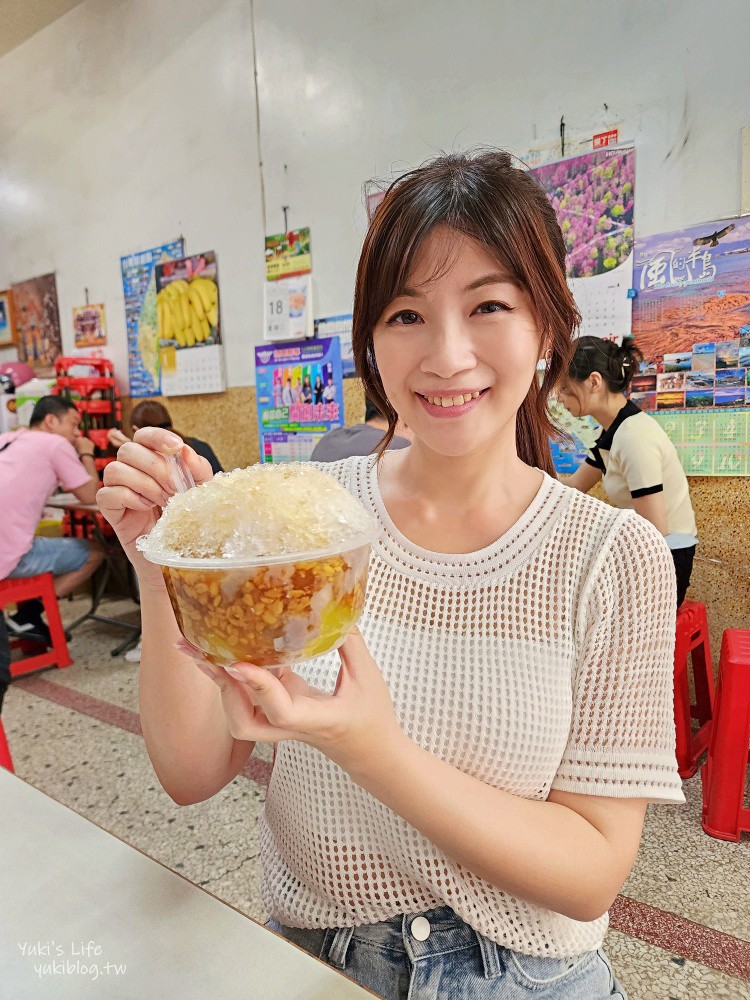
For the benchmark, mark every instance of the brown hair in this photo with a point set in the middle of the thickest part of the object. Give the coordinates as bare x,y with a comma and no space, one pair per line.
149,413
506,210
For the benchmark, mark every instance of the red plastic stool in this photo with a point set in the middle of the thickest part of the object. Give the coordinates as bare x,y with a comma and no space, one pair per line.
23,589
724,772
691,639
5,758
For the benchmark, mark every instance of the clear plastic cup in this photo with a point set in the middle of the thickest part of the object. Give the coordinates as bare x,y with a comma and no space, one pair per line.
271,611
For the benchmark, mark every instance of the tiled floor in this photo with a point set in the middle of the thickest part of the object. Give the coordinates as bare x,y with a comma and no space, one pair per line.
681,928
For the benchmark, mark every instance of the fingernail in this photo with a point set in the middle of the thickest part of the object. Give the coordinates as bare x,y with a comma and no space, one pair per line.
172,440
234,672
204,668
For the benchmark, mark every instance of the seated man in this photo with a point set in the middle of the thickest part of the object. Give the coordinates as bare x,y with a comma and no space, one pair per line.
34,461
361,439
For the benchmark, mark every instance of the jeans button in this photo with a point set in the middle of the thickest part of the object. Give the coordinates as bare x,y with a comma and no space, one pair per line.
420,928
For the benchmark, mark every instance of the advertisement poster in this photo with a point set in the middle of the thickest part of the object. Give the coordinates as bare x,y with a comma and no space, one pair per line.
341,327
89,325
288,254
7,326
593,197
37,318
691,317
139,287
300,397
374,198
189,325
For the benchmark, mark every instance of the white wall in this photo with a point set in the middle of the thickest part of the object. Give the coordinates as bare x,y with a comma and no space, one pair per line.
127,123
122,126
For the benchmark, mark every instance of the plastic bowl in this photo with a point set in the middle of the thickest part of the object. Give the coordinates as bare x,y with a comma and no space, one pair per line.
269,611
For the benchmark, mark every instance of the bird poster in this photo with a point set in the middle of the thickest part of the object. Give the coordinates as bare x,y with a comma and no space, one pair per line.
189,325
691,317
593,195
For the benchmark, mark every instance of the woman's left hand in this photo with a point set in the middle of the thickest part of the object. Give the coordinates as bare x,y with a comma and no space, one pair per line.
352,726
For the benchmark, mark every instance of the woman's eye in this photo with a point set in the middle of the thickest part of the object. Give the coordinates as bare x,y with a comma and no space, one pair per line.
406,317
492,307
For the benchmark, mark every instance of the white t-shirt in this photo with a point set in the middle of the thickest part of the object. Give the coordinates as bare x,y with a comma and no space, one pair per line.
637,459
542,661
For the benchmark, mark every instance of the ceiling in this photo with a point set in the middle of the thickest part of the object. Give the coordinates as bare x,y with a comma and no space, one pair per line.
20,19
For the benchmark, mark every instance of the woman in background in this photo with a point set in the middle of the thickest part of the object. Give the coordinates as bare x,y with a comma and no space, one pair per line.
149,413
633,457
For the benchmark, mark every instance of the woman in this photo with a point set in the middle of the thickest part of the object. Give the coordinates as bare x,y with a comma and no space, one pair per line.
318,390
307,393
152,414
459,792
633,456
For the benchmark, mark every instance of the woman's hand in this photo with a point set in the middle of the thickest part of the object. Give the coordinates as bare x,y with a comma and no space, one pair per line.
350,726
116,437
138,485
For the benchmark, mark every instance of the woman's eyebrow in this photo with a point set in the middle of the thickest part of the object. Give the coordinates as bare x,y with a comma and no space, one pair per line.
496,278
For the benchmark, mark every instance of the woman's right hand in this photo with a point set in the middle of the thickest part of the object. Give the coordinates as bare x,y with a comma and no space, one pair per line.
138,485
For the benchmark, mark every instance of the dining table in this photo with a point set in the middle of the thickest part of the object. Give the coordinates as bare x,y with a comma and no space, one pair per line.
86,916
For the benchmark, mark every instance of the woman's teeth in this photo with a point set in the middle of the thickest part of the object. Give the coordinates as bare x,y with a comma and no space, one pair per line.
452,400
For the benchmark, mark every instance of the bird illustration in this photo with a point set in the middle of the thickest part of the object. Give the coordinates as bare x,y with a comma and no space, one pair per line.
713,239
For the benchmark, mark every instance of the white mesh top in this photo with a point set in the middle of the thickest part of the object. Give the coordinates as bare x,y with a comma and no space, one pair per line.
542,661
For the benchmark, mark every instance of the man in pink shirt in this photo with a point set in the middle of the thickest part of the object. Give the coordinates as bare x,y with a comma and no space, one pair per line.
33,463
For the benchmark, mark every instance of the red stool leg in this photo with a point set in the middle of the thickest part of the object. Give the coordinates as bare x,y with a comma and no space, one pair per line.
5,758
703,672
725,770
682,709
56,630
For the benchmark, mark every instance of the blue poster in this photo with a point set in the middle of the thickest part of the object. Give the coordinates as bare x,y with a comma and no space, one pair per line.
300,396
139,287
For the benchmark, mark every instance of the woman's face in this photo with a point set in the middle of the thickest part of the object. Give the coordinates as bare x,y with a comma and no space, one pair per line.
577,397
457,353
569,394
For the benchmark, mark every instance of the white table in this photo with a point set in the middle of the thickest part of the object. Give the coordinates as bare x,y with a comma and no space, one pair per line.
96,904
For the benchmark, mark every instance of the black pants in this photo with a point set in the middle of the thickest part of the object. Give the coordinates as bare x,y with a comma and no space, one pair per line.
683,564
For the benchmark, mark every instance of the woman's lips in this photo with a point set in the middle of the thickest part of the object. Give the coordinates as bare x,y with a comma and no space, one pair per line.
449,406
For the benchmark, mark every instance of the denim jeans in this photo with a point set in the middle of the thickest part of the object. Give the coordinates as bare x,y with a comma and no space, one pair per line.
450,962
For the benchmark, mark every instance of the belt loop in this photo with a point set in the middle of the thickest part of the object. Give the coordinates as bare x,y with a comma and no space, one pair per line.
493,964
339,947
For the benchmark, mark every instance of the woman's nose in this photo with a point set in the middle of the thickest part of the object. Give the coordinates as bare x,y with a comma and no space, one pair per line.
451,350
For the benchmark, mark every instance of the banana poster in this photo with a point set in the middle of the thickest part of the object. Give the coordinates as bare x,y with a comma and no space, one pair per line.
187,307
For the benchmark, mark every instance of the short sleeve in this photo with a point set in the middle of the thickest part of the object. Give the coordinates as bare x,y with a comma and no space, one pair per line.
638,454
67,466
622,737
